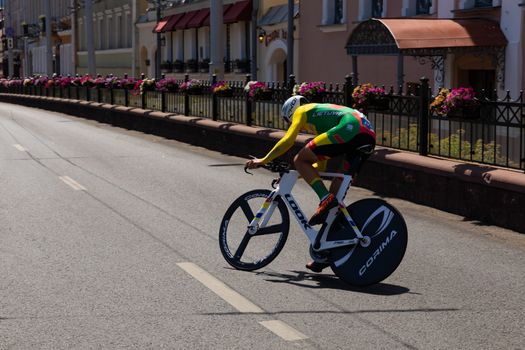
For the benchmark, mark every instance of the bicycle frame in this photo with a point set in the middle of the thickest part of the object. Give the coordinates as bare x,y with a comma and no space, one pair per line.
284,189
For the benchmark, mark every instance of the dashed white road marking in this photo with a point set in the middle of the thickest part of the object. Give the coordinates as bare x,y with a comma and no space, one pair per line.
239,302
72,183
283,330
19,147
226,293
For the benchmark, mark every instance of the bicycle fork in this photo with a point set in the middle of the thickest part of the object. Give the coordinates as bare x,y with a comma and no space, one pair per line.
267,207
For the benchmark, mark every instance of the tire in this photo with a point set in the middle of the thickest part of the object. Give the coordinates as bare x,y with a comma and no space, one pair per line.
264,245
362,266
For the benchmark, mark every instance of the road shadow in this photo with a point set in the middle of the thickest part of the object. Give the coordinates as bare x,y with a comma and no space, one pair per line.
326,281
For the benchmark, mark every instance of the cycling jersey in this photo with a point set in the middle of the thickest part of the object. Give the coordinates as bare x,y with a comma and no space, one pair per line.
335,126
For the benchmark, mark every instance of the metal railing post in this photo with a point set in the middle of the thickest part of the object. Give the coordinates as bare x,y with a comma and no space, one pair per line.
143,94
214,99
423,116
186,97
248,104
291,84
348,88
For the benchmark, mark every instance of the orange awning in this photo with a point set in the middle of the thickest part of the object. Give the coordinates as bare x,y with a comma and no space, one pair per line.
433,33
414,36
173,20
198,20
161,25
240,11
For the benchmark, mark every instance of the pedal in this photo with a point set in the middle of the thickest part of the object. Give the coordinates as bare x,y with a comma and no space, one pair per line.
320,257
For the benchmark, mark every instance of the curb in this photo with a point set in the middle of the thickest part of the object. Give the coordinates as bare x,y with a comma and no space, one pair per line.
479,192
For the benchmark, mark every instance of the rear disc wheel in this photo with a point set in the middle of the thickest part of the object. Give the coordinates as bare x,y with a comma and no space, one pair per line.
375,259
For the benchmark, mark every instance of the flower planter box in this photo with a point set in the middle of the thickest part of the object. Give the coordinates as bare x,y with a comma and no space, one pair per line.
224,93
204,66
241,66
264,96
178,67
192,66
194,91
317,98
464,113
379,104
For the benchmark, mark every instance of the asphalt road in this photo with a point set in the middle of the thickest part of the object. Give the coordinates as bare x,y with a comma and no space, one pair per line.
108,240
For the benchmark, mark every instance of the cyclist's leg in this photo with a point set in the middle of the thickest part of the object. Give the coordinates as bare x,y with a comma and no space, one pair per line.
359,149
304,163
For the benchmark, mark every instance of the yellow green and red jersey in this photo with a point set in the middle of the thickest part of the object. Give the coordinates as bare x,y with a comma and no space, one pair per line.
332,124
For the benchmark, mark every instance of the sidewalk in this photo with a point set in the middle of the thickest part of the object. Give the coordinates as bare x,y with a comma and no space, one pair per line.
479,192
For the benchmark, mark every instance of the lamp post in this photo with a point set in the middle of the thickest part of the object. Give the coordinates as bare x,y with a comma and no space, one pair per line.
289,41
89,37
49,49
216,37
254,37
159,43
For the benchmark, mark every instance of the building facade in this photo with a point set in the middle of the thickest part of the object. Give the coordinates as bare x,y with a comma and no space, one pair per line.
114,36
484,48
272,24
25,37
186,39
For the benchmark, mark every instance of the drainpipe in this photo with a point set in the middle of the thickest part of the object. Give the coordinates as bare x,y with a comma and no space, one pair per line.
289,41
133,39
159,44
216,40
74,42
253,34
10,61
49,49
89,38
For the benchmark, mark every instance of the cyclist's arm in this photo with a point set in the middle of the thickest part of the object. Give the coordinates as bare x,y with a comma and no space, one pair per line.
288,139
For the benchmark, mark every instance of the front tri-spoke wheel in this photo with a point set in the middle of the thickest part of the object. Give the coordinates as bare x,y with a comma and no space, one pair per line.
252,250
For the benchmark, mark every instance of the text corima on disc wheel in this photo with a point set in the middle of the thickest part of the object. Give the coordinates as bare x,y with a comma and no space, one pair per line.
362,265
250,251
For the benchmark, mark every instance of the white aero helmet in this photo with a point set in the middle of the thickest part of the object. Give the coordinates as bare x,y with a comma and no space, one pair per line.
290,105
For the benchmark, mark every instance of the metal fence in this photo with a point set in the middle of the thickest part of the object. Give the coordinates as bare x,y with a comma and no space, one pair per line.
495,136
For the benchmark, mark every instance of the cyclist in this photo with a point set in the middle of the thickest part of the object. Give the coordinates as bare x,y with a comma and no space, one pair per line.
339,130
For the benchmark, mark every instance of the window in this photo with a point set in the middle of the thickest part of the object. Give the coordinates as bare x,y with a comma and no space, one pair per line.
377,8
423,7
334,12
111,33
338,11
120,32
483,3
129,29
81,39
99,34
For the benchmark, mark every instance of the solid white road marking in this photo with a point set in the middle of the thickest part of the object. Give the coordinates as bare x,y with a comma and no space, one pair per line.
283,330
72,183
229,295
19,147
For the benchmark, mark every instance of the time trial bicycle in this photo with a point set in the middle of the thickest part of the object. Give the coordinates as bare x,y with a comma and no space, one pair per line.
363,243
